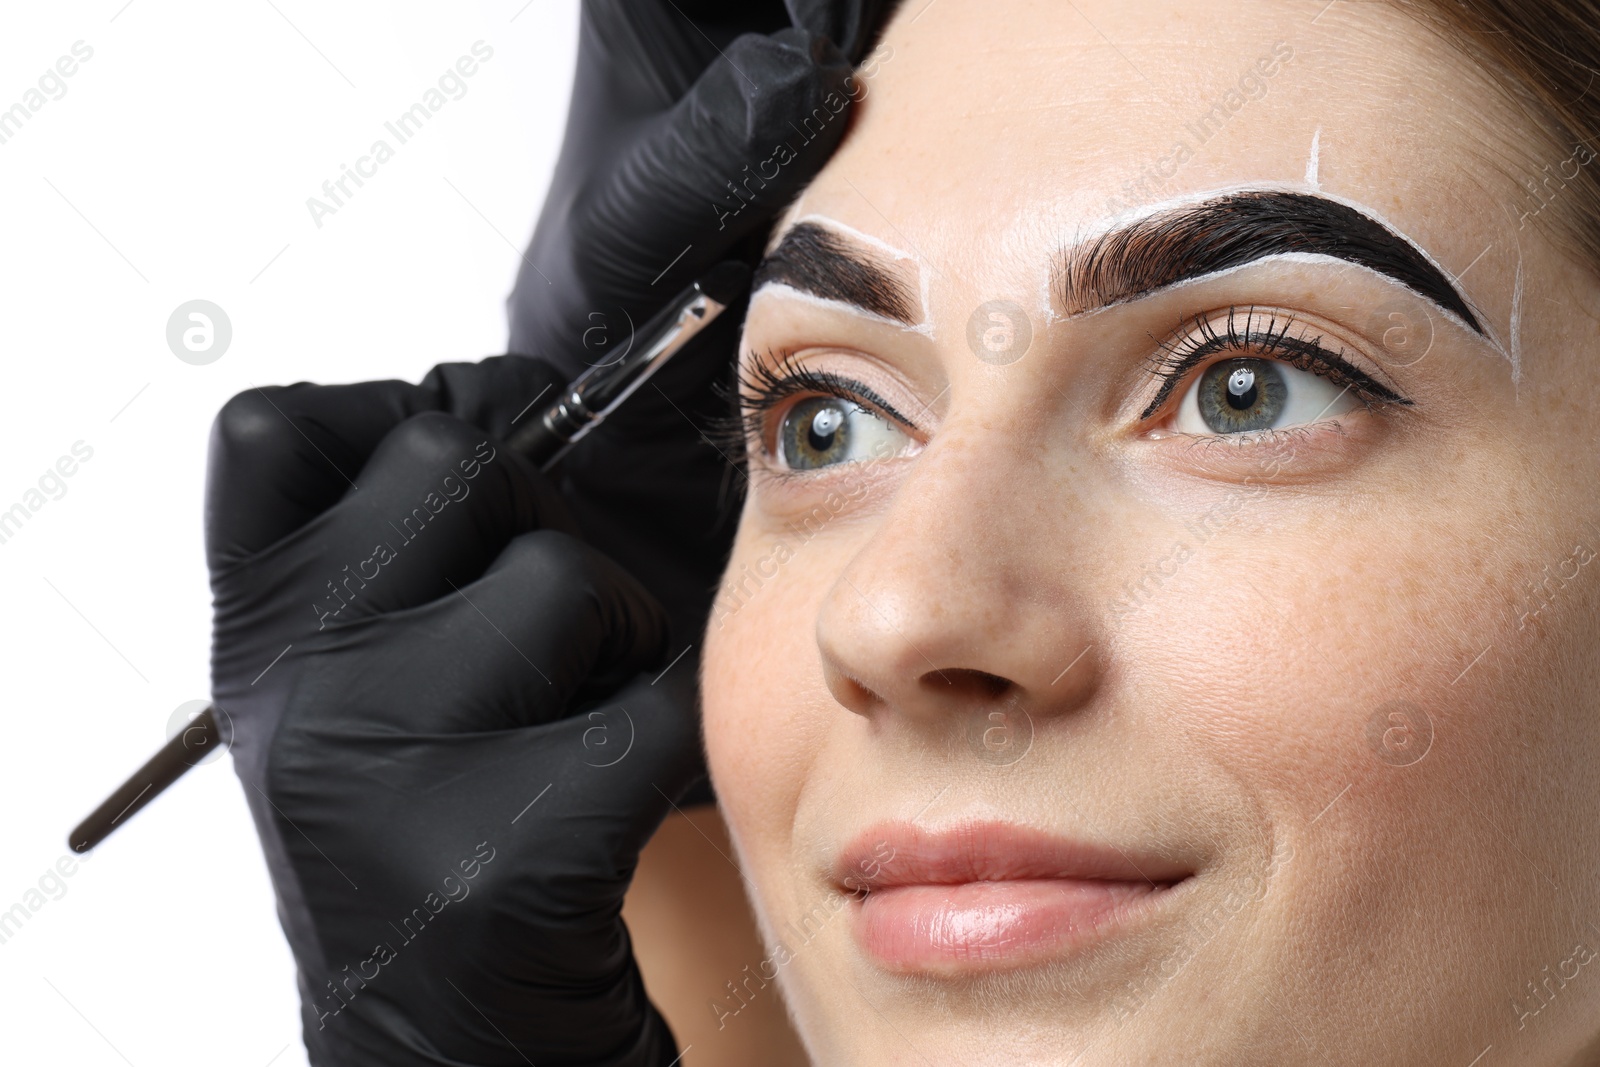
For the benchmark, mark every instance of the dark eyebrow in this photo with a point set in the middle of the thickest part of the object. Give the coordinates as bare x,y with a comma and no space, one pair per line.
1190,242
815,260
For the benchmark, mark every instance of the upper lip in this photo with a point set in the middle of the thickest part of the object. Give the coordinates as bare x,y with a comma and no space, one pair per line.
900,854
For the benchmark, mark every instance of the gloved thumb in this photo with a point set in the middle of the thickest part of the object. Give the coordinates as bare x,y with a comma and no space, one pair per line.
700,179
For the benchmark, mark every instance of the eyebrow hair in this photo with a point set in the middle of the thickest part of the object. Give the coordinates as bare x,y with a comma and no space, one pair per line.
815,260
1190,242
1142,257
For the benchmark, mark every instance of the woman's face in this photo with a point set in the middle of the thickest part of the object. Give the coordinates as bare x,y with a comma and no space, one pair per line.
1163,617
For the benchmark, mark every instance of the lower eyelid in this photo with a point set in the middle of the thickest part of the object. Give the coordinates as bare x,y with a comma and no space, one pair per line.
1303,455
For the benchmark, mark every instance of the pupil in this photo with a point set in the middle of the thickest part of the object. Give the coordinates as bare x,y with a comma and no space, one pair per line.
824,425
1242,389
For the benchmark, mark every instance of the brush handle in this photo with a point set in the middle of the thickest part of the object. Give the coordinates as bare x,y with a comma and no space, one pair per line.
197,740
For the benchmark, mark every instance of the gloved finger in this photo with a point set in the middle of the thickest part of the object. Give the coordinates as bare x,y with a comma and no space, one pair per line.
850,24
598,805
605,780
695,183
281,455
637,57
631,760
729,155
558,821
430,511
550,625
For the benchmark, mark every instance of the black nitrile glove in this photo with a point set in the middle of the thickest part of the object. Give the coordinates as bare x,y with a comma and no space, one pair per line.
679,109
457,788
658,116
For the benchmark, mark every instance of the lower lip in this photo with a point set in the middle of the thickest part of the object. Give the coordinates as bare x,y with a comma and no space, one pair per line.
980,926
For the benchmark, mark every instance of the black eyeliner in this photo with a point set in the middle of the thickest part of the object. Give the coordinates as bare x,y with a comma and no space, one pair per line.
1309,355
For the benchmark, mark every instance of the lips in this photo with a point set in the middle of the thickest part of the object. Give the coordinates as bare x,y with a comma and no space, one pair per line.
990,896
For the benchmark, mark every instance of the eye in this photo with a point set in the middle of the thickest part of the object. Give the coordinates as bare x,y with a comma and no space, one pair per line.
1248,394
821,431
1259,370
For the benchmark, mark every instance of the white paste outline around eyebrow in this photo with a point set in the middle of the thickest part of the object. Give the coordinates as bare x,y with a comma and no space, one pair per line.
1083,233
788,291
1516,322
1047,300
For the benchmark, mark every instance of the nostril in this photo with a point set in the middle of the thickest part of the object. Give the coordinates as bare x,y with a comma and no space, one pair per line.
966,682
851,692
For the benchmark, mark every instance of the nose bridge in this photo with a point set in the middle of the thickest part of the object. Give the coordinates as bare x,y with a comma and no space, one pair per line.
960,598
954,523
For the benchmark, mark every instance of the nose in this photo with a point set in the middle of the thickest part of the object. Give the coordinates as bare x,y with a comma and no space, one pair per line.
966,600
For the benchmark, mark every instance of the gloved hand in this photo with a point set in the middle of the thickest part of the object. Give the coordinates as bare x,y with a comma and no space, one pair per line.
671,164
457,785
656,116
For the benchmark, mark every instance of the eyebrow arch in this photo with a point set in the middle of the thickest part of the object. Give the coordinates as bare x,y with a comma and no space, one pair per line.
1190,242
815,260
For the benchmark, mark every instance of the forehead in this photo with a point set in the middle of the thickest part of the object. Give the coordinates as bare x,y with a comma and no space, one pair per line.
991,135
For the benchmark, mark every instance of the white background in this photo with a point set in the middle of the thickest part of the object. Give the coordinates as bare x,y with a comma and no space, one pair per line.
177,167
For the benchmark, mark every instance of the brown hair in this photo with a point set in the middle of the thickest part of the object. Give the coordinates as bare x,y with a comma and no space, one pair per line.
1551,51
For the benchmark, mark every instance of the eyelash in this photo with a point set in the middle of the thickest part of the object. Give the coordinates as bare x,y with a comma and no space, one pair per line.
762,385
1268,336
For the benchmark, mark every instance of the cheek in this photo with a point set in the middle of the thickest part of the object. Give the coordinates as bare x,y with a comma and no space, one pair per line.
1365,682
766,707
1305,657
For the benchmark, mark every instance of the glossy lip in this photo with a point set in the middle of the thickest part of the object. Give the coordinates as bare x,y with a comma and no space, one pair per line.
986,896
